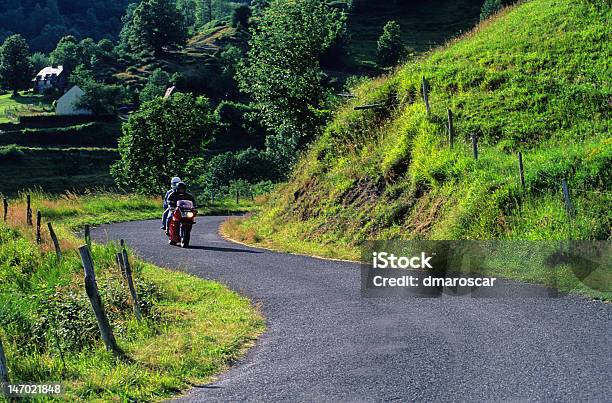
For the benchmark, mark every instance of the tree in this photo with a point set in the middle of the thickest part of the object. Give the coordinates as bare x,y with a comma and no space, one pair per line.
157,24
390,48
156,85
259,6
67,53
249,165
16,69
39,61
100,98
241,16
282,71
489,8
159,141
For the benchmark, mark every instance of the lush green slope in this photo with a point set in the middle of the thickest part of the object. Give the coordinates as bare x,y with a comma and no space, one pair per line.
533,79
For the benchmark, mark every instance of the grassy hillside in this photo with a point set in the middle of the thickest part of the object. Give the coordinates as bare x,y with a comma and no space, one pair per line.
533,79
191,328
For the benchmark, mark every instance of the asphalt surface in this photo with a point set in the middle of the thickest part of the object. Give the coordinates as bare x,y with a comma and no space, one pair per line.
324,342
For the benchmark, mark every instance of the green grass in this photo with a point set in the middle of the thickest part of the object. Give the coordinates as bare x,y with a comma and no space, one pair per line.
23,103
192,328
533,79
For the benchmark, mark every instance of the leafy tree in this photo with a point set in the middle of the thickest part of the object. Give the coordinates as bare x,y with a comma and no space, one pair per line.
100,98
157,24
248,165
282,71
124,46
16,69
81,76
67,53
160,139
189,10
157,84
259,6
39,61
240,16
390,48
489,8
229,60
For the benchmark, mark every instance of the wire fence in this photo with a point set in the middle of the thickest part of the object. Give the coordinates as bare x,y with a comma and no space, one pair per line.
575,200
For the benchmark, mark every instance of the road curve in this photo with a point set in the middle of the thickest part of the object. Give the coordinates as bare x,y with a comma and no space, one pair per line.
324,342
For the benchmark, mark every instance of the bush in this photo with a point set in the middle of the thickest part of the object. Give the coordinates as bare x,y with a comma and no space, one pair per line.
89,134
10,153
390,48
489,8
249,165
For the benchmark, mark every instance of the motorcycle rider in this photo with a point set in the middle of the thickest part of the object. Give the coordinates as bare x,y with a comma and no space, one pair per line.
180,194
173,185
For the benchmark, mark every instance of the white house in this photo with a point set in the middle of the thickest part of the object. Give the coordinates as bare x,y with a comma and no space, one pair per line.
67,104
50,77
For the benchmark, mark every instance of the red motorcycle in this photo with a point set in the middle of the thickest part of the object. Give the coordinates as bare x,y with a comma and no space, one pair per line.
181,223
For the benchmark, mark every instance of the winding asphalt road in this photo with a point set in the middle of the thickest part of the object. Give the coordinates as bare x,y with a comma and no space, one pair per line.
324,342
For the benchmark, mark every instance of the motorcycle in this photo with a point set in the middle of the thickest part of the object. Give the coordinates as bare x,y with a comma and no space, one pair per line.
183,218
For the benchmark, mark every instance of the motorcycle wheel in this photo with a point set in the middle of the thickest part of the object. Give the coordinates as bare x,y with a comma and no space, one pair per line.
185,239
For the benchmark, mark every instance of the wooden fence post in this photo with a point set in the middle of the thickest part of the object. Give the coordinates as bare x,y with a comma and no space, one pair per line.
451,129
475,145
521,169
28,211
130,281
91,287
237,196
120,263
5,202
87,236
58,250
425,87
566,197
4,378
38,219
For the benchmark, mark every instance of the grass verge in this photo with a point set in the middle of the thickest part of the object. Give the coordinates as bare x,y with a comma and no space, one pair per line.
191,329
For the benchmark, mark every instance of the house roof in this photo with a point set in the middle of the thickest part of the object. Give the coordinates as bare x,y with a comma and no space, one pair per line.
50,71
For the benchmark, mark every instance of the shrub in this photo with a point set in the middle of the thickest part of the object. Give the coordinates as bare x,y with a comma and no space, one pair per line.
390,48
10,153
249,165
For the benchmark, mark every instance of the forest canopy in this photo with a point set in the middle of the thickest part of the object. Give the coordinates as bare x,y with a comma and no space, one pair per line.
43,22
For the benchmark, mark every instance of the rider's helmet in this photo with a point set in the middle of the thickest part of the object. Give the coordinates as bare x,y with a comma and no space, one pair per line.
174,182
181,187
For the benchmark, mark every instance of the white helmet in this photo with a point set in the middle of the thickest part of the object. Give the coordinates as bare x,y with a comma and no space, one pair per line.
174,182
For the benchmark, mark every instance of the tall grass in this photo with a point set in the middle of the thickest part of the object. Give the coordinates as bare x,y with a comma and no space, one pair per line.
191,328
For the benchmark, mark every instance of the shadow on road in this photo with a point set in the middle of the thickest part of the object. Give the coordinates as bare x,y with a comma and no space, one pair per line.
219,249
